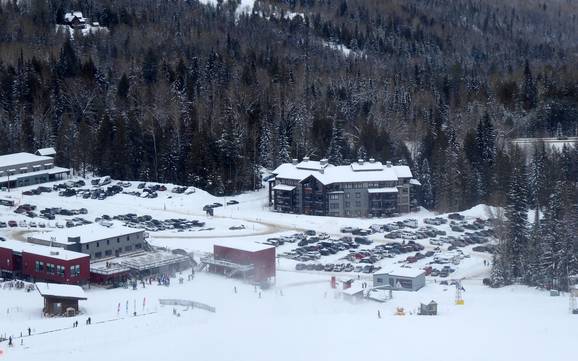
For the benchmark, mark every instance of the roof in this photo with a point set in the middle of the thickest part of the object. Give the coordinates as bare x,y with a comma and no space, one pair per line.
246,246
58,290
46,151
368,172
382,190
415,182
283,187
356,287
88,233
403,272
16,159
31,248
72,15
312,165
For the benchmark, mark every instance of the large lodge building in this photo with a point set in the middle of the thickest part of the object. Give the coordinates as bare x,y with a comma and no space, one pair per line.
361,189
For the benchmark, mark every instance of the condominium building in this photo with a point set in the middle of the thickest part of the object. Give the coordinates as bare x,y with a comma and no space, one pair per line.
23,169
361,189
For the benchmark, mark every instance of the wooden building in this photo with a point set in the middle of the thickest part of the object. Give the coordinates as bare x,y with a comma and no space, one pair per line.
60,300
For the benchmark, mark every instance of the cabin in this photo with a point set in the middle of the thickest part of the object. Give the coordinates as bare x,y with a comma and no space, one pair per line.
60,300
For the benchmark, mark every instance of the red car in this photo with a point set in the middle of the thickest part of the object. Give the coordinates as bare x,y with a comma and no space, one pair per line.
12,224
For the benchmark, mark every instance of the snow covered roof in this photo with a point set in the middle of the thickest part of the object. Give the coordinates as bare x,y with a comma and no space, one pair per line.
312,164
58,290
356,172
88,233
72,15
46,152
53,252
403,272
16,159
356,287
283,187
361,166
402,171
414,182
247,246
382,190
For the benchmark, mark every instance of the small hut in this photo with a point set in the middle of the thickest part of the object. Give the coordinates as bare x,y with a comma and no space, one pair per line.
60,300
431,309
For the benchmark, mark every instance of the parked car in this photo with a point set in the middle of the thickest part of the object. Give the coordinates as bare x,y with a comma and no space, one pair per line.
232,202
12,224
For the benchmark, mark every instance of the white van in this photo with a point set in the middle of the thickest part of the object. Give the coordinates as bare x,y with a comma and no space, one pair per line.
104,181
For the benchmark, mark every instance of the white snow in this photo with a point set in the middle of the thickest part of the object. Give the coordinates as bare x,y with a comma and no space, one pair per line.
382,190
244,246
88,233
403,272
58,253
16,159
283,187
300,318
58,290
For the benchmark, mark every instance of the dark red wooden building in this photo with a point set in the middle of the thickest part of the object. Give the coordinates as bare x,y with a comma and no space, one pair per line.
41,263
254,261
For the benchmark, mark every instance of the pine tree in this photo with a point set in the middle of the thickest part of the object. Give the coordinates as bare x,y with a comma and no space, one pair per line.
283,148
537,177
337,145
426,185
529,92
266,146
517,222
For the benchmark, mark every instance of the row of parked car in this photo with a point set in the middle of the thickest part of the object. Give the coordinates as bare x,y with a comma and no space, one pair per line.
74,222
151,224
338,267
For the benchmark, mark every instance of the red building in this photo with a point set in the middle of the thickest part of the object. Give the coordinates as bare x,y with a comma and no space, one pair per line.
41,263
252,260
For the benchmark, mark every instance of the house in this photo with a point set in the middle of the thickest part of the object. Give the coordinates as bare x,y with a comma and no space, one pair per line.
361,189
75,20
400,279
94,239
41,263
250,261
24,169
430,309
46,152
60,300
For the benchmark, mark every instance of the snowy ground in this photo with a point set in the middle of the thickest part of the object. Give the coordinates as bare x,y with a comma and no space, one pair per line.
301,318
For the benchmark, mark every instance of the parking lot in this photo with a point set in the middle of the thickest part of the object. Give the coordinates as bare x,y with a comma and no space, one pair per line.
432,245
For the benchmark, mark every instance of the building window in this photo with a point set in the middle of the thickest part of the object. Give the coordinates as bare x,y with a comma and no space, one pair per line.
357,195
347,195
98,255
60,270
358,203
334,196
108,253
50,268
39,266
107,242
138,246
118,240
347,204
74,271
97,244
334,205
128,248
379,280
87,246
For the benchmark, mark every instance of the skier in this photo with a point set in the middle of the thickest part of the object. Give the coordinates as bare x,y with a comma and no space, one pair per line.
378,314
10,341
29,331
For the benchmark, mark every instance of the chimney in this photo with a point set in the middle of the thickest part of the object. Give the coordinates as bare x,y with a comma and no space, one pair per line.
360,161
371,160
306,159
323,162
294,161
388,163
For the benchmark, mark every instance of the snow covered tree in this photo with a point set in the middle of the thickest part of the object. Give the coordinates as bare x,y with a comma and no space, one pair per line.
537,177
266,147
426,185
283,155
517,222
337,145
529,92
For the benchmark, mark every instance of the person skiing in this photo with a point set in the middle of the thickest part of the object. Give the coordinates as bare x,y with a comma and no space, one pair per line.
29,331
10,341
